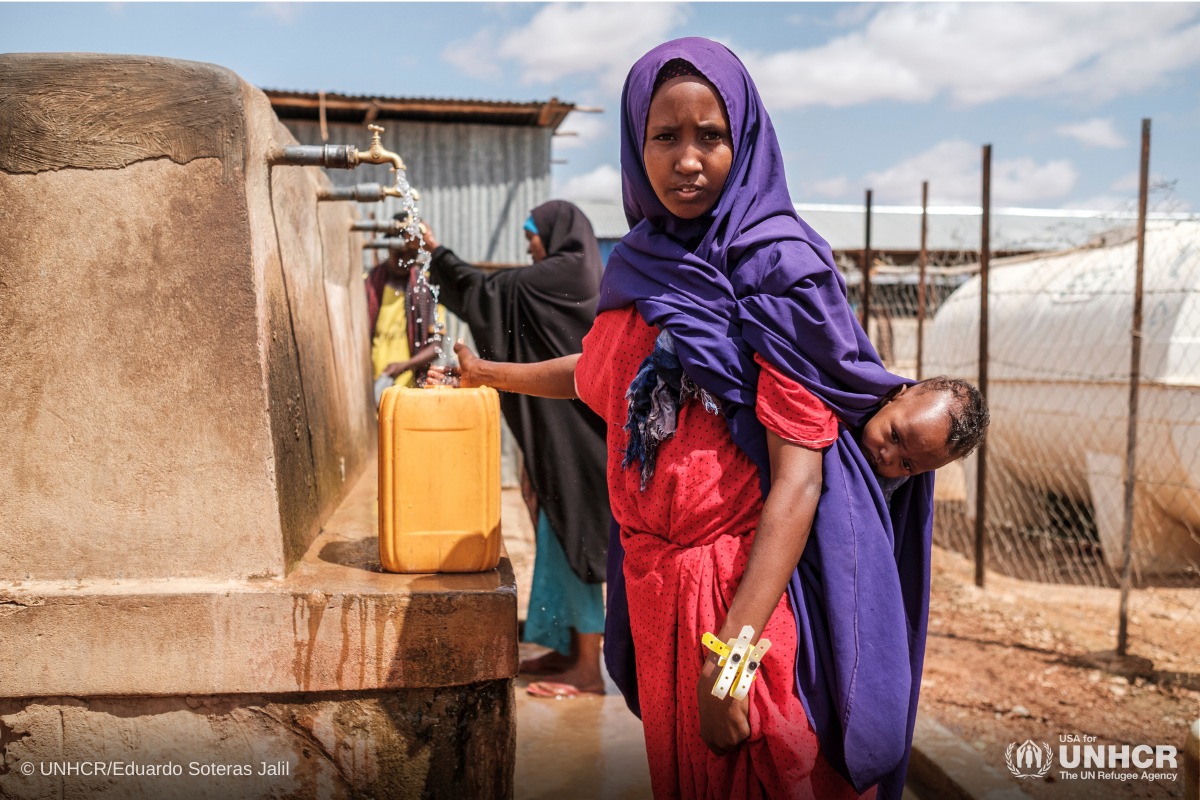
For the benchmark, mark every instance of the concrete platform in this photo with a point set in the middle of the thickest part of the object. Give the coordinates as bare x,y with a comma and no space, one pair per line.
363,683
944,767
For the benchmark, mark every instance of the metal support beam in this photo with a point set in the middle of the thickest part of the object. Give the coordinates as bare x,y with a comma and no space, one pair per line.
922,260
865,289
1135,379
981,453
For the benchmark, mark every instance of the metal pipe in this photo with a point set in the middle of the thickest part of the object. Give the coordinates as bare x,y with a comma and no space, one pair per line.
361,192
333,156
1135,377
981,462
378,225
865,291
922,260
338,156
392,243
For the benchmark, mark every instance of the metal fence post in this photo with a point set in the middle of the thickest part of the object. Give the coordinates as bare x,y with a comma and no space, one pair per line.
981,457
921,279
866,273
1135,376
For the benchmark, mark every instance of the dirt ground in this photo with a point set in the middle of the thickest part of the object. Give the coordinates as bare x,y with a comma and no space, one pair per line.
1007,663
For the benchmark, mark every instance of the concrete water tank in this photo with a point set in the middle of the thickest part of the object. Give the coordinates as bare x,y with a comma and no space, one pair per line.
1059,390
188,559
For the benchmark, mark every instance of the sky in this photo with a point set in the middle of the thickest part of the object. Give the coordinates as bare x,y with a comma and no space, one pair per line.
878,95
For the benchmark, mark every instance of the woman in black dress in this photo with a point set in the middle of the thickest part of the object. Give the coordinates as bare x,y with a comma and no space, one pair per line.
532,314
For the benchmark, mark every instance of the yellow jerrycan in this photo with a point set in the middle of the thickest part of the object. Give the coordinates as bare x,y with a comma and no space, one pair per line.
439,479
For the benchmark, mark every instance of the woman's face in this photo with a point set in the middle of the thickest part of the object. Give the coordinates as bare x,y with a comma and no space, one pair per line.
688,150
536,249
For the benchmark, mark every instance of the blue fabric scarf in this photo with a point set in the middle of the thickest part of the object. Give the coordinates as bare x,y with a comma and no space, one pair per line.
655,395
750,276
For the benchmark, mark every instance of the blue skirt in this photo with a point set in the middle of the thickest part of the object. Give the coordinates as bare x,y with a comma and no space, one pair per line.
558,600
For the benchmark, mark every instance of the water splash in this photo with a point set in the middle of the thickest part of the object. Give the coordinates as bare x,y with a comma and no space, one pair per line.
432,331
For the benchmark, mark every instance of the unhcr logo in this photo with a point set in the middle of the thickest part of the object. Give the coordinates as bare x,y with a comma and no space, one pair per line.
1029,761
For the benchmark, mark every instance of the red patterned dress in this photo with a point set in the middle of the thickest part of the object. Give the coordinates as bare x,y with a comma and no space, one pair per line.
687,538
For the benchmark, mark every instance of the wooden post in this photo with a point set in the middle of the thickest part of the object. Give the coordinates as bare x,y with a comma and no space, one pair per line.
321,116
981,458
1135,378
866,273
924,257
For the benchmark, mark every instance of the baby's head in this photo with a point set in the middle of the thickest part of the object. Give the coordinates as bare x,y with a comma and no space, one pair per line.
925,427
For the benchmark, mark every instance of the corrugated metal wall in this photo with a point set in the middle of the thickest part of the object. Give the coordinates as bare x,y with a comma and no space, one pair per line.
478,183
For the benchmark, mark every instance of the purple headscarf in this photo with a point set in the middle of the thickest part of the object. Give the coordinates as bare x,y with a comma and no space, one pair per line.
750,276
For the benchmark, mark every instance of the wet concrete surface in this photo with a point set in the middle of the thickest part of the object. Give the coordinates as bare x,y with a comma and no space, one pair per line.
584,747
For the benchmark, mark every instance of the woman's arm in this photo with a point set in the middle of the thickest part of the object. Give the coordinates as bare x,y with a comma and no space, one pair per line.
459,281
554,378
783,531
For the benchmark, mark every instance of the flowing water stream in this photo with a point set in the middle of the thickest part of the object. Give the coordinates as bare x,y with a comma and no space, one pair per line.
422,295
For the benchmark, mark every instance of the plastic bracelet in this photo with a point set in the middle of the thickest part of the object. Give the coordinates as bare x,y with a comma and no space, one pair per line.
717,646
733,664
738,672
750,670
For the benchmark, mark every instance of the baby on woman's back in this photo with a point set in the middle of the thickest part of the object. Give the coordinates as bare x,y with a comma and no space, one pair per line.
923,427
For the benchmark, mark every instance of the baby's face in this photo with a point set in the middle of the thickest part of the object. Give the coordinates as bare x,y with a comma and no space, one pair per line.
908,435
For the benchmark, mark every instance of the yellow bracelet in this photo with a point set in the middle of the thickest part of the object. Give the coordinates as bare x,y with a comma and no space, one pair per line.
740,663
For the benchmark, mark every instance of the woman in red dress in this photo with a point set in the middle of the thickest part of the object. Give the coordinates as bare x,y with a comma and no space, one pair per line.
696,364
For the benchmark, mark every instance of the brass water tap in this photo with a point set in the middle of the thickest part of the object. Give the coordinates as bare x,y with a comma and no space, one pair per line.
377,154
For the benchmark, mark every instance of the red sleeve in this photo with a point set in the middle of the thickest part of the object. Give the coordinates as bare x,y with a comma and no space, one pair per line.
791,411
613,351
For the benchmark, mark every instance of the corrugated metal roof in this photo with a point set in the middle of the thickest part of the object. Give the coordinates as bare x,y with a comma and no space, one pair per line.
951,228
369,108
956,228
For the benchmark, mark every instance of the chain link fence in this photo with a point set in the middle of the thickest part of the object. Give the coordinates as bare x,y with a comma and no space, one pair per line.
1059,341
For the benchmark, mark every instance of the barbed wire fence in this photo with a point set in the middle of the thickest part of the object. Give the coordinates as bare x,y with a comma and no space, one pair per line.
1059,334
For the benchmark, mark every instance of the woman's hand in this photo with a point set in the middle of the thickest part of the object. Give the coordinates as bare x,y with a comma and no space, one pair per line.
424,356
396,369
466,375
554,378
724,723
431,242
468,372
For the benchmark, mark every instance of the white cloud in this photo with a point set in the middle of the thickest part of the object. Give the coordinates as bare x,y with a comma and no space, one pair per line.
1130,182
977,52
475,57
590,127
602,183
283,13
1094,133
594,38
832,187
953,169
